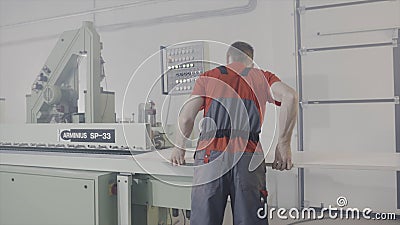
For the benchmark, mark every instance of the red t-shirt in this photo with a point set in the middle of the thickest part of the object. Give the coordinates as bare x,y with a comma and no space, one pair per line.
235,99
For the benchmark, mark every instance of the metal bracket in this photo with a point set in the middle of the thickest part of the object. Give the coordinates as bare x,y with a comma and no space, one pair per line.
124,183
395,38
396,100
303,51
301,10
303,103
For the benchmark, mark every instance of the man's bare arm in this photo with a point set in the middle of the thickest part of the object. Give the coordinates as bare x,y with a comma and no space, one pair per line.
287,119
185,127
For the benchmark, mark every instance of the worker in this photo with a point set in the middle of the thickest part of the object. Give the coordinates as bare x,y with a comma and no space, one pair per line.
229,160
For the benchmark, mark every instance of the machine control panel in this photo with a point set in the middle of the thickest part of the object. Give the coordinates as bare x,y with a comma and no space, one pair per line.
181,66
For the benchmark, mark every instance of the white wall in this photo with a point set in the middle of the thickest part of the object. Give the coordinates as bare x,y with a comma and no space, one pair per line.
24,49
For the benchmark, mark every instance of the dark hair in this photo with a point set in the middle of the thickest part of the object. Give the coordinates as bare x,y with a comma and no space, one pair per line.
240,50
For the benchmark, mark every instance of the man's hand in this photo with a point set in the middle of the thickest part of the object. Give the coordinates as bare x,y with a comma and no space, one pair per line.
186,119
283,157
178,156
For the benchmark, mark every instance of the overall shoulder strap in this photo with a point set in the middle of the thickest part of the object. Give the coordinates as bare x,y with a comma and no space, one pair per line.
222,69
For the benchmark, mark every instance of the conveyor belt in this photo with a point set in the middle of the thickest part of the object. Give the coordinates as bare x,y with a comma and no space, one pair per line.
71,150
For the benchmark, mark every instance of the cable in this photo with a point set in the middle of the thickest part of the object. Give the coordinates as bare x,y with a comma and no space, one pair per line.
83,13
94,13
184,17
105,105
169,104
105,81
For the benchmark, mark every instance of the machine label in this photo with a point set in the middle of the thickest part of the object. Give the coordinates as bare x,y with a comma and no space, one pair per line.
88,135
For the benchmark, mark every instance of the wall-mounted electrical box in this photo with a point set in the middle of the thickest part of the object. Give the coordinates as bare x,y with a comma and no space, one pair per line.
181,65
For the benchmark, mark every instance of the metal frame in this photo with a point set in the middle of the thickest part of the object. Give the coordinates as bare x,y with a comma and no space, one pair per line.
343,4
352,101
300,181
124,183
302,51
355,31
396,71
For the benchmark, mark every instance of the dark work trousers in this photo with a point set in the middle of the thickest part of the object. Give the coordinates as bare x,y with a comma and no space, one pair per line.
233,174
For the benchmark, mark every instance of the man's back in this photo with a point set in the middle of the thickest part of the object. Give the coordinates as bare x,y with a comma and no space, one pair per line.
234,105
